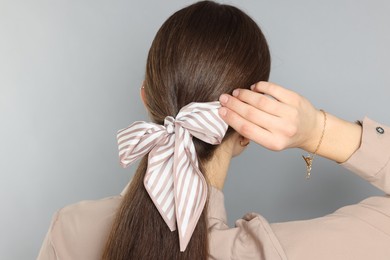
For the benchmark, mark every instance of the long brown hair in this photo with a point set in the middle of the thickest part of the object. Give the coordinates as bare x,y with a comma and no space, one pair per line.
200,52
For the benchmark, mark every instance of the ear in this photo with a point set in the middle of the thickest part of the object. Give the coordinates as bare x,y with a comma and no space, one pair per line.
240,143
142,93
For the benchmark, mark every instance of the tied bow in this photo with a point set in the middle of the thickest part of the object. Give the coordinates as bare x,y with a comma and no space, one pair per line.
173,179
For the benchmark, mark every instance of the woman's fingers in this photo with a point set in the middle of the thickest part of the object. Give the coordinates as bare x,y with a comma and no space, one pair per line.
263,137
246,128
283,122
251,113
282,94
261,101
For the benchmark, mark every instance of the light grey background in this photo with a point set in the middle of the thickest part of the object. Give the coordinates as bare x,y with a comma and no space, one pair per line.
70,73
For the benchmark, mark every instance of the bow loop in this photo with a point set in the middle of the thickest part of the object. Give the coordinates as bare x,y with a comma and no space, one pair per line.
137,140
203,121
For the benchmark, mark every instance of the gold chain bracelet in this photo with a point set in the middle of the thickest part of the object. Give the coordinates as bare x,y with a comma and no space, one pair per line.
310,157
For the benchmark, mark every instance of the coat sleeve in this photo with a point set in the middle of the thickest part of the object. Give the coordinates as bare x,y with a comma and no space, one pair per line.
372,160
251,238
47,251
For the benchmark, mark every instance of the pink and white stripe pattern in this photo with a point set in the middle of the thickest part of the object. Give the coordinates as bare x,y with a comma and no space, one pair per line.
173,179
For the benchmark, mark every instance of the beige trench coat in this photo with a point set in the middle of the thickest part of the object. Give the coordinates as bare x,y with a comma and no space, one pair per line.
360,231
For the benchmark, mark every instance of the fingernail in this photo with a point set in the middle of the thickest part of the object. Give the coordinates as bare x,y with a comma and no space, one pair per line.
253,86
235,93
223,111
223,98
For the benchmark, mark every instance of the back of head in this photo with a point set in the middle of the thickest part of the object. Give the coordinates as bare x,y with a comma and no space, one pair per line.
200,52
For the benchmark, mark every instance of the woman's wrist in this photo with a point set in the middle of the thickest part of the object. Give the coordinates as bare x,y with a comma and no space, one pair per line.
341,138
315,137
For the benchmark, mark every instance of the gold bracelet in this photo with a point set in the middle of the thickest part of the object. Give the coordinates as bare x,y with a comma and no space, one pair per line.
310,157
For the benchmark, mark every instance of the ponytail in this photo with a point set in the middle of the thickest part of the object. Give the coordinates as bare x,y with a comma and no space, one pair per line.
139,231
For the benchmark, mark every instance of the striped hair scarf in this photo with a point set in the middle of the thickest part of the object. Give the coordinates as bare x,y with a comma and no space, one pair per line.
173,179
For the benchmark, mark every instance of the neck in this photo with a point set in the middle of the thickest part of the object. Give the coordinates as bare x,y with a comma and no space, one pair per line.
217,167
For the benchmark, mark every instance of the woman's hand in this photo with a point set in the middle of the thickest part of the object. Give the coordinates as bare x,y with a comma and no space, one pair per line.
273,117
278,118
